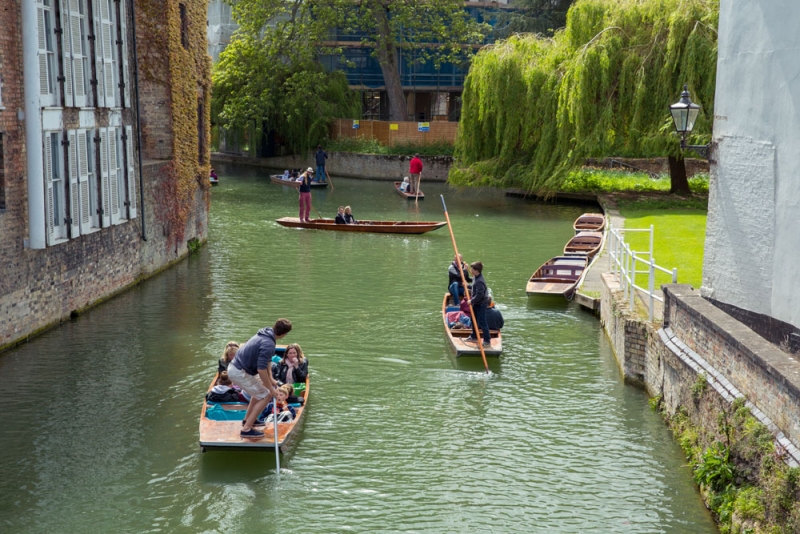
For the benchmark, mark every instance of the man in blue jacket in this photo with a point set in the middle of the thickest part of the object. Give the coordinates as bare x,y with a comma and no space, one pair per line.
321,156
251,370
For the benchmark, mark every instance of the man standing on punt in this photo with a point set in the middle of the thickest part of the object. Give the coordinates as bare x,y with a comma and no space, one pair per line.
251,370
414,169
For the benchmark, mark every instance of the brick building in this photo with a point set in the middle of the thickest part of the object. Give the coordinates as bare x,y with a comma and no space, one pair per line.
103,165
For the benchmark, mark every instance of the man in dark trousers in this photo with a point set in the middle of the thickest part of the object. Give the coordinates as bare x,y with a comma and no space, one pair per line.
321,156
251,370
414,170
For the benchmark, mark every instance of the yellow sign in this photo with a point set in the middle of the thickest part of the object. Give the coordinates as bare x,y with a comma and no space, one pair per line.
423,127
394,126
355,125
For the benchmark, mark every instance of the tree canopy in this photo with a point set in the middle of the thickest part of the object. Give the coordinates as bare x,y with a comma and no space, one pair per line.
535,107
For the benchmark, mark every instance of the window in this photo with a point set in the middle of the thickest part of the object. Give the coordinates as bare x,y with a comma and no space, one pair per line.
54,188
119,183
74,49
90,217
184,27
106,56
44,13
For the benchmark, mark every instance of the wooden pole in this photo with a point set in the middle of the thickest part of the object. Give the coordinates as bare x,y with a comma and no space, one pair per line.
464,282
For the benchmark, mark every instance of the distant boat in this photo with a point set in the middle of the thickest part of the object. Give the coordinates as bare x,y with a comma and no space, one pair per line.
291,182
458,337
221,423
409,196
557,276
585,243
590,222
380,227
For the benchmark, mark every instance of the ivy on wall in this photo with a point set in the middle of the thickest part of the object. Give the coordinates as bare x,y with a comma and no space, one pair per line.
533,108
173,53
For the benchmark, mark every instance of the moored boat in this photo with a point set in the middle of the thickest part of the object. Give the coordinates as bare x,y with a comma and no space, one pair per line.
409,196
584,243
458,337
278,179
589,222
557,276
380,227
221,423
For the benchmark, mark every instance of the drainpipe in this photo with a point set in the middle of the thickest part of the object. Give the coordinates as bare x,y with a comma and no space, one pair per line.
33,126
132,11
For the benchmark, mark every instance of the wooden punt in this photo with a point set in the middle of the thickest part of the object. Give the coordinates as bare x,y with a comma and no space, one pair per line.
380,227
584,243
217,434
457,338
590,222
409,196
278,179
558,276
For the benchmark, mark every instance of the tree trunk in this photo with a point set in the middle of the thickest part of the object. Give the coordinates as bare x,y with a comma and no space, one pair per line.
388,60
677,174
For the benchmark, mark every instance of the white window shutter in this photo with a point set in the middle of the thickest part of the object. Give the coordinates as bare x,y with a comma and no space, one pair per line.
98,56
74,192
133,199
78,74
48,183
83,182
66,48
113,177
44,74
107,43
105,186
124,38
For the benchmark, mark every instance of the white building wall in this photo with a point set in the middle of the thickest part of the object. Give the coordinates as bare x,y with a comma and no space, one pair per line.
752,252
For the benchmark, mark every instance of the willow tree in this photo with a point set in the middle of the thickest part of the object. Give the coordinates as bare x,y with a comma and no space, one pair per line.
269,75
534,108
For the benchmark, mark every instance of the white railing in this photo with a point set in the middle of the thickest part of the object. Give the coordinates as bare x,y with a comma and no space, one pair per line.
625,262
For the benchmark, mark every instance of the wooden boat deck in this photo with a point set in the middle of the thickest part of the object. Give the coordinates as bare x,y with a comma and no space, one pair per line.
590,222
557,276
411,196
381,227
457,338
586,243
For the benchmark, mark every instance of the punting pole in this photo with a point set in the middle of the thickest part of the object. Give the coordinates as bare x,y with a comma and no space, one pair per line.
416,197
275,426
464,282
329,180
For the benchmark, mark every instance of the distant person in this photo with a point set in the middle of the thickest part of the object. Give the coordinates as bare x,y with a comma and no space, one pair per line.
305,194
348,216
227,355
321,156
479,301
251,370
405,185
213,175
292,368
340,216
454,285
415,169
286,174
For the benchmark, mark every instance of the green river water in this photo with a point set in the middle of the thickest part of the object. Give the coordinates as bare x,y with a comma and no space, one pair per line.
100,415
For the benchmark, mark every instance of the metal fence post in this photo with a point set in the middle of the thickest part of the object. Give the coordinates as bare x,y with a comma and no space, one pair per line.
633,279
652,284
623,276
651,240
674,275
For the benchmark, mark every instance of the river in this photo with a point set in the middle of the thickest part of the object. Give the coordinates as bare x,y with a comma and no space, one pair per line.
100,415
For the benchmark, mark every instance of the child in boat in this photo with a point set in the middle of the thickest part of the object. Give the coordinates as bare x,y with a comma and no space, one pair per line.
404,185
227,355
283,407
223,391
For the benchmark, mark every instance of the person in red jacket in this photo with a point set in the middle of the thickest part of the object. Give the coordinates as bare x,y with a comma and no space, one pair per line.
414,169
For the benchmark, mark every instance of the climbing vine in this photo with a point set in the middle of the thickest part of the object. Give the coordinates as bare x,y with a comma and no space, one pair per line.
173,43
533,108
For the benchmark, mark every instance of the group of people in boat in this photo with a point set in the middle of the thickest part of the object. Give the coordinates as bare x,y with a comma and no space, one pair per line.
487,316
344,215
252,373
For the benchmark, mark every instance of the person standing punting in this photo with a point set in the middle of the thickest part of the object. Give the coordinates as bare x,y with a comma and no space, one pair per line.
414,170
320,157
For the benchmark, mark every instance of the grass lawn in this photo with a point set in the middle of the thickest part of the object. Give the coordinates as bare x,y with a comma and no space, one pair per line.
678,240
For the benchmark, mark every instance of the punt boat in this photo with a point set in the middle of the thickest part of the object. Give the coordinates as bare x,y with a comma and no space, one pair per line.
380,227
557,276
278,179
409,196
584,243
590,222
458,337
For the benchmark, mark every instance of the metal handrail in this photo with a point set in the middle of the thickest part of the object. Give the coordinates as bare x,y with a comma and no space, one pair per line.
623,263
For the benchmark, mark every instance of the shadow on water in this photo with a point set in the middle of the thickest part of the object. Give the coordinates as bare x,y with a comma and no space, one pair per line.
230,467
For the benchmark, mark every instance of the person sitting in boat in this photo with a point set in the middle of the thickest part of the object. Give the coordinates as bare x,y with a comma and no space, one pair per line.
340,216
293,367
493,316
454,285
286,412
294,174
348,216
223,390
213,175
404,185
286,175
227,355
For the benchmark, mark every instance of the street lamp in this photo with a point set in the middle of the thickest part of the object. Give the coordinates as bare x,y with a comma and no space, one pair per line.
684,114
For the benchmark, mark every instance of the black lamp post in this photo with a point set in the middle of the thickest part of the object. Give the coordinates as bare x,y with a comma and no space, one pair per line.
684,114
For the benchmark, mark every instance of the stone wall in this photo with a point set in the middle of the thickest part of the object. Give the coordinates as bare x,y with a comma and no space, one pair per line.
349,165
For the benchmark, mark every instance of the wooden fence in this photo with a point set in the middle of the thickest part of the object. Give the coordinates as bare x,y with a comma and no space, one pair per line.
390,133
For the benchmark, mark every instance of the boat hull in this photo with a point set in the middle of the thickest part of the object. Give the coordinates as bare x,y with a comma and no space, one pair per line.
557,276
278,179
590,222
457,338
584,243
409,196
379,227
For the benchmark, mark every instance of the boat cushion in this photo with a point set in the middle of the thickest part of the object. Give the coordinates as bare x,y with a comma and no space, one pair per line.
216,412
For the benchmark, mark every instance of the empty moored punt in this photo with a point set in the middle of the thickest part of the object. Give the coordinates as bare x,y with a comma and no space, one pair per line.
590,222
278,179
558,276
410,196
584,243
457,338
221,423
380,227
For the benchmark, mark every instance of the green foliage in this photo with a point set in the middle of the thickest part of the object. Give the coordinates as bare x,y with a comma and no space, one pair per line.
715,469
599,87
699,386
363,145
193,245
748,504
590,180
